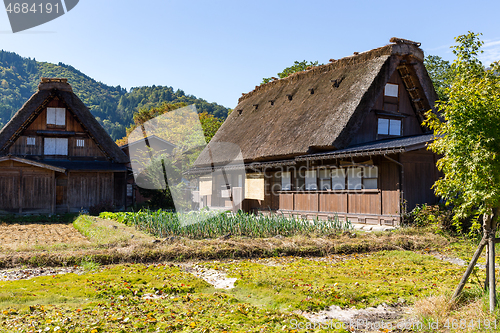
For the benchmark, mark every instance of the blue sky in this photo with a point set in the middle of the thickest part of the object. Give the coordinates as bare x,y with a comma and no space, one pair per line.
217,50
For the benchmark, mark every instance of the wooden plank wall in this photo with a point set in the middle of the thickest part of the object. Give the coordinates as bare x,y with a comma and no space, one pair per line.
410,124
38,189
26,188
40,122
87,189
120,189
9,184
90,149
389,186
384,201
20,146
420,175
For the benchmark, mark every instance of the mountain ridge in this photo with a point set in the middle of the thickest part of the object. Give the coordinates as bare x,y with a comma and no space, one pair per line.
113,107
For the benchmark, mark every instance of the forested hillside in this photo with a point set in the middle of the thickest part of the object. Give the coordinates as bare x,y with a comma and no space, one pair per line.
113,107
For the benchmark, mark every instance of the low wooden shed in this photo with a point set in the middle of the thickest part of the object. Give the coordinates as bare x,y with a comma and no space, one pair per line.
55,157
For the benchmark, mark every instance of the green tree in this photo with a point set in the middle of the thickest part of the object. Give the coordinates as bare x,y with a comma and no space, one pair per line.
440,73
468,139
296,67
210,125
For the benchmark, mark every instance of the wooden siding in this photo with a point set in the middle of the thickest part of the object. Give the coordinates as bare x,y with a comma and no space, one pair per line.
40,122
87,189
420,174
120,189
306,202
380,205
9,183
34,189
90,149
389,186
333,202
367,202
29,188
410,124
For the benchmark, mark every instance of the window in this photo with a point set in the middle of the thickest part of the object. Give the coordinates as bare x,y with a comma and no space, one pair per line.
391,90
370,177
325,180
286,181
389,126
56,146
240,180
354,178
56,116
30,141
311,183
80,142
338,179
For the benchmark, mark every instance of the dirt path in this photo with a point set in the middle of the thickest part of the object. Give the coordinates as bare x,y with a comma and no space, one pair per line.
216,278
30,273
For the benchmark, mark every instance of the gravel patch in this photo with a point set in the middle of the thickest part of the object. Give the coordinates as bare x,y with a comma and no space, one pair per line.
30,273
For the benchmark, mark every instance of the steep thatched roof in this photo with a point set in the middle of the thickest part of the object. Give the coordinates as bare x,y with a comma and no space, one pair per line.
48,89
317,109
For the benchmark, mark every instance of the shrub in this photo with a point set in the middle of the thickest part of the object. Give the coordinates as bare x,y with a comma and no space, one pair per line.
437,217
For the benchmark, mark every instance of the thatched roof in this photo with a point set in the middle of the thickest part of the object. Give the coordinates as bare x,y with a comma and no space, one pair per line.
317,109
47,90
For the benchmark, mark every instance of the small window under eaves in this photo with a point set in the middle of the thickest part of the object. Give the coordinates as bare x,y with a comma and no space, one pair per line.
389,127
391,90
56,116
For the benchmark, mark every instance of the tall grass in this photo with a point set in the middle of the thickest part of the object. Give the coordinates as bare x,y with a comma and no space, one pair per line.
208,224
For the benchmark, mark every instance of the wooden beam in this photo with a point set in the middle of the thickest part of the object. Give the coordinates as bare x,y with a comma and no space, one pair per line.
471,266
20,191
30,162
68,192
491,272
54,187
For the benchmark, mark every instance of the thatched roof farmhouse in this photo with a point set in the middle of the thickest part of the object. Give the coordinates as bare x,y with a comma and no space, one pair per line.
353,126
55,157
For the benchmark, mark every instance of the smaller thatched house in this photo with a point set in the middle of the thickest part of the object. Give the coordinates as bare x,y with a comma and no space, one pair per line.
55,157
342,138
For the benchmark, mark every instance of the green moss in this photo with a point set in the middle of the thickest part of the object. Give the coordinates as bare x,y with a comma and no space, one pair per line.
389,277
112,300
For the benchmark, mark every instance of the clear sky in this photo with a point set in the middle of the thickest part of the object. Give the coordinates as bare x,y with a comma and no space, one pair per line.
217,50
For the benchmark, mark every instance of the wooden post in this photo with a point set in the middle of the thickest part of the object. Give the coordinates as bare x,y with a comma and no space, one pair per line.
471,266
491,270
20,191
54,187
113,203
489,231
486,280
68,191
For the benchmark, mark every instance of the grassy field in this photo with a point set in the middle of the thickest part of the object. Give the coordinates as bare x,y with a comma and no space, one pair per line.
279,280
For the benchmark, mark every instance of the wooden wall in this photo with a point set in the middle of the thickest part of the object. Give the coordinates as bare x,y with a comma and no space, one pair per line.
420,173
86,189
382,203
410,123
90,149
26,188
